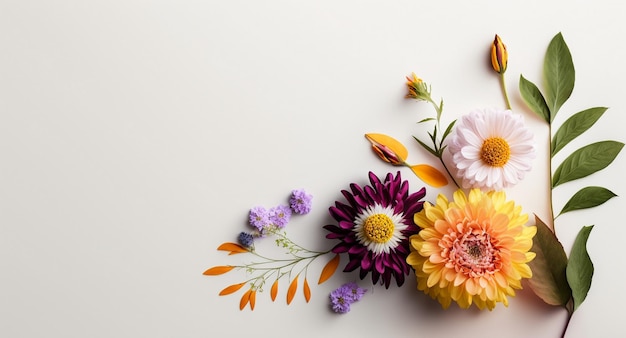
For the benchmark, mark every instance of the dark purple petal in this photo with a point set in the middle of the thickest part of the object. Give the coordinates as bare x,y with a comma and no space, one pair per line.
352,264
366,261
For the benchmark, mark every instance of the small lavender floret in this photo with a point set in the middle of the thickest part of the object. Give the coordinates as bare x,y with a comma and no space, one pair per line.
340,300
279,216
355,291
300,201
259,218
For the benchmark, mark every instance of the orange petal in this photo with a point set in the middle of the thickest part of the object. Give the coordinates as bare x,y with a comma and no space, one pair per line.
274,290
230,289
389,143
234,248
292,290
307,291
252,299
245,299
329,269
430,175
218,270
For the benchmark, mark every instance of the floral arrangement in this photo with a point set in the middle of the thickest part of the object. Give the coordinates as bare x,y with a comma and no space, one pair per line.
475,247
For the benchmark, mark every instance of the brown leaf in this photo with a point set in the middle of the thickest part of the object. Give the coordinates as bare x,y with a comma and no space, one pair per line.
329,269
218,270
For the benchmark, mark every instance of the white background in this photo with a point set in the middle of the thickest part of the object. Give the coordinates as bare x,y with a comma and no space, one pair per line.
136,135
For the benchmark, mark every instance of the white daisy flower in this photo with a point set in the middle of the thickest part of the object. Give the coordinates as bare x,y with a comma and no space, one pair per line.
379,229
492,149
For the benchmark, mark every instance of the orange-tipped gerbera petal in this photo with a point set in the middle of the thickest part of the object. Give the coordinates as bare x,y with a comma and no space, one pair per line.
252,299
274,290
218,270
230,289
233,248
245,299
430,175
388,149
291,292
307,291
329,269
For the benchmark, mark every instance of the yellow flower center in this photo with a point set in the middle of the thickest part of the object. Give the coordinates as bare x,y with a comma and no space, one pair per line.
378,228
495,151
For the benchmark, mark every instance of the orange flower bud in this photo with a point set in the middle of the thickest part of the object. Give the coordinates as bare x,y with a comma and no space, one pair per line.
499,55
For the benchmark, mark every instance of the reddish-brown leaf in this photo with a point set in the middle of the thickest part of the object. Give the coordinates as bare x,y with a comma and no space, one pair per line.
291,292
252,299
230,289
307,291
329,269
274,290
233,248
245,299
218,270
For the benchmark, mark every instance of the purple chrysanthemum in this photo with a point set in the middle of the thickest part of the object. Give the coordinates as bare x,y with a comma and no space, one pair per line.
300,201
374,227
259,218
279,216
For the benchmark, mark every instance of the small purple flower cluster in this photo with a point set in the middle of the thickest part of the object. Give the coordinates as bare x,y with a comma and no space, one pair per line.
342,297
264,220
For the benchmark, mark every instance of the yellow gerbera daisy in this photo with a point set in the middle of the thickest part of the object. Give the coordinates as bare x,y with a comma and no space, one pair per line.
473,250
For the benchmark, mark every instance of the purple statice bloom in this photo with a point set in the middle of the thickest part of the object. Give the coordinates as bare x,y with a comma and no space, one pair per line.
259,218
246,239
279,216
354,291
300,201
340,300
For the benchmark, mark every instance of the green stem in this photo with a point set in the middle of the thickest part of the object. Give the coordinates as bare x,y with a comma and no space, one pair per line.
504,91
551,204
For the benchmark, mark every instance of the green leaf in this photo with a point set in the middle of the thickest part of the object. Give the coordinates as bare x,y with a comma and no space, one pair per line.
586,161
580,268
448,131
558,71
534,99
574,126
549,281
587,197
425,146
427,119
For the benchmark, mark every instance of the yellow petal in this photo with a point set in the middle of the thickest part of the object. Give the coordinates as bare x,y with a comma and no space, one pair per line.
430,175
398,149
329,269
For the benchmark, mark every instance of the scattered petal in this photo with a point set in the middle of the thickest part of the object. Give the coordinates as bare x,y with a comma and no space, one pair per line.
252,299
230,289
388,149
218,270
245,299
307,291
430,175
274,290
234,248
291,292
329,269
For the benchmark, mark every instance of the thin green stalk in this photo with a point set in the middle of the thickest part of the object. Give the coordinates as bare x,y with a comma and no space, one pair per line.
504,91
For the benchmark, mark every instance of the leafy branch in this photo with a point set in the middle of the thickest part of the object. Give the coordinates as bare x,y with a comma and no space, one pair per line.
557,279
